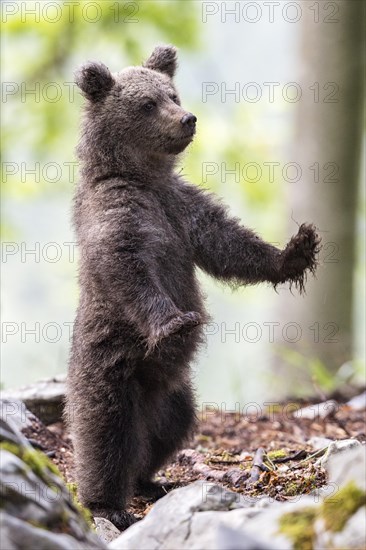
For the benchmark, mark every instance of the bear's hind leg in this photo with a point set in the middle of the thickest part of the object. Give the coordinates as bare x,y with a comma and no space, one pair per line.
109,441
174,420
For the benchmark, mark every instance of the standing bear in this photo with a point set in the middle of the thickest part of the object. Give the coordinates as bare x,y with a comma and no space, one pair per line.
142,231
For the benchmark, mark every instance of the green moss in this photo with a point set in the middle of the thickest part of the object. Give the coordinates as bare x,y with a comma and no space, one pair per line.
292,489
85,512
279,453
36,524
336,510
299,528
38,462
302,485
202,437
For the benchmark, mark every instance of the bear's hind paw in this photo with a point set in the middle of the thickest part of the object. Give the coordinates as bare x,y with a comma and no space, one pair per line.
151,490
120,518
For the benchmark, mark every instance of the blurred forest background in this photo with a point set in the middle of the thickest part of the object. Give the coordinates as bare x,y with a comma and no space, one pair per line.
277,89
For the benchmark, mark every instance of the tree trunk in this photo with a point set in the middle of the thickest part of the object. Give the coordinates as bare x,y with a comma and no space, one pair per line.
328,148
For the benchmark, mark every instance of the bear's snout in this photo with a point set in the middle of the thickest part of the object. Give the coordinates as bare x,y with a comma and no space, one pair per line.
189,121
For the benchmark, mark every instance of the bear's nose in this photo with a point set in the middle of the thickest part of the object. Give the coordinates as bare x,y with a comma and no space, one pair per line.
189,120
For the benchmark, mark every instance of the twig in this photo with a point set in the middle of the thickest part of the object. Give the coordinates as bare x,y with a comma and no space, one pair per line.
272,465
317,453
296,456
209,473
36,444
257,467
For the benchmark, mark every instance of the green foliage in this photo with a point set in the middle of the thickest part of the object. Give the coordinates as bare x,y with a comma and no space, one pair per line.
312,372
42,127
42,54
231,160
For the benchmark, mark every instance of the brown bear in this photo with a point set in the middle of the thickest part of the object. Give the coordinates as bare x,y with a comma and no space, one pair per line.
142,231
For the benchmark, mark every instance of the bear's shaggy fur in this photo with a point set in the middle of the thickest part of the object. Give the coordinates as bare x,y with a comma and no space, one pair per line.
142,230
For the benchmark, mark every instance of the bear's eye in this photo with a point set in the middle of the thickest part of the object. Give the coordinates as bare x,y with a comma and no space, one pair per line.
175,98
149,106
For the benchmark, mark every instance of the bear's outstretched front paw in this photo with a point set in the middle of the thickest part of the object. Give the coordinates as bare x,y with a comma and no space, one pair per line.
120,518
178,323
300,257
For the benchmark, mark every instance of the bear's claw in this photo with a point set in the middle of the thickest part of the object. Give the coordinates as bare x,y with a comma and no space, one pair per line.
300,257
179,323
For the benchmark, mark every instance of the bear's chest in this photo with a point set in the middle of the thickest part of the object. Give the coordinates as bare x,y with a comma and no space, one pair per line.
167,229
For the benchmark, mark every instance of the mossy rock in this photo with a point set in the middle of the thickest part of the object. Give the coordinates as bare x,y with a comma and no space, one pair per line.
85,512
299,528
37,461
40,465
337,509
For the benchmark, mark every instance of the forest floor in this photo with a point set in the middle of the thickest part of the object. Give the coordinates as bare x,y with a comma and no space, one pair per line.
252,454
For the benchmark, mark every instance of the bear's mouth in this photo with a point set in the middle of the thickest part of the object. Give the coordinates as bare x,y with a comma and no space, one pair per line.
185,138
190,132
178,144
188,137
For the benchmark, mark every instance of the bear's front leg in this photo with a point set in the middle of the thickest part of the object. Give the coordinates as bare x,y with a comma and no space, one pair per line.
234,253
300,257
177,323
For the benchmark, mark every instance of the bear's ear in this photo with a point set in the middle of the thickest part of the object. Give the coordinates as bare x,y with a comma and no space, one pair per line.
163,59
94,80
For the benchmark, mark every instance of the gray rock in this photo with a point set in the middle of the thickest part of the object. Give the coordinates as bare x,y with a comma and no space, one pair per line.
207,516
343,468
106,531
319,410
337,447
358,403
264,528
353,535
45,398
17,534
319,442
233,539
37,510
350,466
354,532
16,413
192,517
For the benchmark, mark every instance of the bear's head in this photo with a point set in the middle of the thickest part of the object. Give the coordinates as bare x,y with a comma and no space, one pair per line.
137,108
